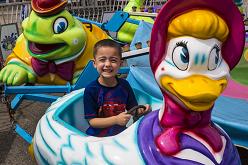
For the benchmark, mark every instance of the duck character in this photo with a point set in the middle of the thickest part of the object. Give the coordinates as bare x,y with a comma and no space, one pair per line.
193,48
53,48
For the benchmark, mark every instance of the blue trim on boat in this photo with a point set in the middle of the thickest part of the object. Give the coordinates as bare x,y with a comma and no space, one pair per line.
36,154
49,110
60,153
104,157
69,141
66,146
44,161
88,150
136,138
120,145
76,163
85,161
60,163
53,130
54,153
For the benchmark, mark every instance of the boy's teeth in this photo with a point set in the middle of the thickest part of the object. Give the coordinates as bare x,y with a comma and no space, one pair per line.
107,70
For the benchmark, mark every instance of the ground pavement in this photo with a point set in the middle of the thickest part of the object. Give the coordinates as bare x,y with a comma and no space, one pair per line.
13,149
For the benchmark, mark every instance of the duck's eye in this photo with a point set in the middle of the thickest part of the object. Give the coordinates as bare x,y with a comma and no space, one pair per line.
214,58
180,57
60,25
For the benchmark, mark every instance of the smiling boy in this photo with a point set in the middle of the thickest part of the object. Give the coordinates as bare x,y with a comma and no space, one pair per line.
107,98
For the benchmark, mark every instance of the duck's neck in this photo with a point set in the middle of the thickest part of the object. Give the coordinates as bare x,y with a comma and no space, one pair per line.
176,120
174,115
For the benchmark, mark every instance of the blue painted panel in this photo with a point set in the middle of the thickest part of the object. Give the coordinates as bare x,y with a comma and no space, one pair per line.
115,23
88,75
20,131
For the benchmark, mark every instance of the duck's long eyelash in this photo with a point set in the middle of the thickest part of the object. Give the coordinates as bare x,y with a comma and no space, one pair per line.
217,46
182,43
220,62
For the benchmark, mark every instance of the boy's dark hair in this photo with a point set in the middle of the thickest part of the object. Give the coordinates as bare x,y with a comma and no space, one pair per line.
107,43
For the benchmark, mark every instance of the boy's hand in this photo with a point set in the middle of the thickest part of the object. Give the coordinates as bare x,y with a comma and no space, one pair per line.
142,111
123,118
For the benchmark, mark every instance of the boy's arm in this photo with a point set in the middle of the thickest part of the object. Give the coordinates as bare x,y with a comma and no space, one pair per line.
121,119
103,122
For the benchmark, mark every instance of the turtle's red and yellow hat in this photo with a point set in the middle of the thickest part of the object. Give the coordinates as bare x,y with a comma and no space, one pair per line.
48,7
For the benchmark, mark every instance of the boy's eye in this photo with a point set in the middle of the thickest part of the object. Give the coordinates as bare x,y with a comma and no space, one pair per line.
113,61
101,60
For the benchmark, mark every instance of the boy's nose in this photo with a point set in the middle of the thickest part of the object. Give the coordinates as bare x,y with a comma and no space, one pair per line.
107,63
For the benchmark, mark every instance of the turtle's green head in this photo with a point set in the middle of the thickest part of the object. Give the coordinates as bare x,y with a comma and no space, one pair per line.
54,37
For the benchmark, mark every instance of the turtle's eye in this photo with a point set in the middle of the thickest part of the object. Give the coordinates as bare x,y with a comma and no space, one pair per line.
214,58
180,56
60,25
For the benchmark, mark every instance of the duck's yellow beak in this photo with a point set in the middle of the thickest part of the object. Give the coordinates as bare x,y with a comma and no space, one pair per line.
197,92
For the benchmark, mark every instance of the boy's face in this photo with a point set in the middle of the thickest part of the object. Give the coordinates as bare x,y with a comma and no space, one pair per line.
107,62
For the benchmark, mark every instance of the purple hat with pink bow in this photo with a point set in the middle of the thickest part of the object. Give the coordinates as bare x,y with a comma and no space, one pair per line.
232,48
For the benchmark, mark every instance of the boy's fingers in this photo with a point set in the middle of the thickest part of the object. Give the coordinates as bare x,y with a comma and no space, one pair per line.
142,110
122,113
128,116
148,107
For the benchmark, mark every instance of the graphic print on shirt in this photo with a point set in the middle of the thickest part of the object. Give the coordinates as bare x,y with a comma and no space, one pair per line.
111,104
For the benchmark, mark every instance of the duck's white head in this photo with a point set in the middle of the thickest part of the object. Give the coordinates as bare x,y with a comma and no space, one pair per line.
191,66
193,72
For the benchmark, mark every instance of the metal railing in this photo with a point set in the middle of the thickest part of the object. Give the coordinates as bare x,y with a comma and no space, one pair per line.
93,9
12,12
89,9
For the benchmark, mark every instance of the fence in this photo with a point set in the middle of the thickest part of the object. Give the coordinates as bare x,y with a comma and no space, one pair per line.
89,9
14,12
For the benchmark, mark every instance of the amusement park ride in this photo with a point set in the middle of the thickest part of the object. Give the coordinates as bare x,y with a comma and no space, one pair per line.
41,93
191,65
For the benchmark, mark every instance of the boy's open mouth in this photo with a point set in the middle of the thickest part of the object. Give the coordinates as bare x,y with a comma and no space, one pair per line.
107,70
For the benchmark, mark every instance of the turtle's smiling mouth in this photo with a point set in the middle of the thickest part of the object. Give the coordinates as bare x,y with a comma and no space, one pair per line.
36,48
